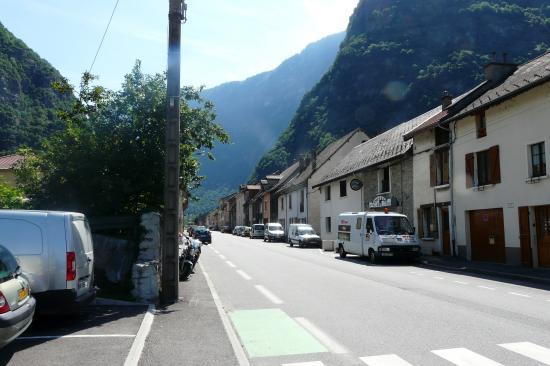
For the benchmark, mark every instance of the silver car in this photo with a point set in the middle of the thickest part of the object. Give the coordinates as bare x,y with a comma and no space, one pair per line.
16,303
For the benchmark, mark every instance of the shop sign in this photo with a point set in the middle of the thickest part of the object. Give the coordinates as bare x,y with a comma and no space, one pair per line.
356,184
380,202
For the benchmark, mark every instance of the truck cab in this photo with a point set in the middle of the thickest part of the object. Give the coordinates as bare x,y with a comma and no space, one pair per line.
377,235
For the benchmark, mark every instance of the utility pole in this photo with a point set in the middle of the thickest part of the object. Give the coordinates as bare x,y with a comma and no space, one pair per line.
172,204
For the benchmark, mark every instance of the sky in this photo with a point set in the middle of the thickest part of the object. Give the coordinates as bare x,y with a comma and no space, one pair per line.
223,40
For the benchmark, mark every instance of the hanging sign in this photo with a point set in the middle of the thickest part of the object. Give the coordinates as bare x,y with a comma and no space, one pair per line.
380,201
356,184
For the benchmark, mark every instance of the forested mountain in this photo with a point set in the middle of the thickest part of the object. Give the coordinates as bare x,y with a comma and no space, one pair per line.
255,112
397,59
27,101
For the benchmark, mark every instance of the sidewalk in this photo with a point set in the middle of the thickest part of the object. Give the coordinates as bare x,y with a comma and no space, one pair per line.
534,275
189,332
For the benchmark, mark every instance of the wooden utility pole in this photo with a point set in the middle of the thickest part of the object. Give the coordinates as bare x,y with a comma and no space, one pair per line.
172,207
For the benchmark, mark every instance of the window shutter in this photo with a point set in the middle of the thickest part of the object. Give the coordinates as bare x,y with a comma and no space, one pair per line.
420,228
469,170
494,164
433,171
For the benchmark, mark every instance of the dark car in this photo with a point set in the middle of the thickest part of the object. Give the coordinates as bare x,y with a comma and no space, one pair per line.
203,235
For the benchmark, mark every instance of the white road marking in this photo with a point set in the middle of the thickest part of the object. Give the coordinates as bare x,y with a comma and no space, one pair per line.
385,360
139,341
244,275
270,296
530,350
487,288
216,251
412,272
420,274
78,336
312,363
439,278
518,294
222,256
231,264
461,282
325,339
233,339
465,357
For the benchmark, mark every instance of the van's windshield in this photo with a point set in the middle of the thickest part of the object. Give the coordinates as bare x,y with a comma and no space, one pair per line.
393,225
306,231
275,227
258,227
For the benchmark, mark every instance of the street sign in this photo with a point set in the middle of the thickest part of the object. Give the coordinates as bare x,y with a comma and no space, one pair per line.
356,184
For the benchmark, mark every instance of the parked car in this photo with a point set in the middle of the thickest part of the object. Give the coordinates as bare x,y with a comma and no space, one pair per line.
204,235
56,253
303,235
377,235
226,229
257,231
238,230
274,232
16,303
246,231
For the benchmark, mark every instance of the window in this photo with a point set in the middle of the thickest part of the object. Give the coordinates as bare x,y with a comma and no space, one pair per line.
481,125
302,200
483,167
359,223
538,160
441,136
328,225
370,226
8,264
427,222
384,180
327,193
343,188
439,167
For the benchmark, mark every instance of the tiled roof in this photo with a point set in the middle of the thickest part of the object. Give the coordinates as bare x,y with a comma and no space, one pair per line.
381,148
287,174
527,76
10,161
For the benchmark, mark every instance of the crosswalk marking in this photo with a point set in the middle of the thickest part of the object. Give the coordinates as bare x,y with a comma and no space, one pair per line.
385,360
465,357
531,350
312,363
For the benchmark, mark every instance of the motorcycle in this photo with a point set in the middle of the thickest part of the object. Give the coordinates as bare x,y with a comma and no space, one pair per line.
189,253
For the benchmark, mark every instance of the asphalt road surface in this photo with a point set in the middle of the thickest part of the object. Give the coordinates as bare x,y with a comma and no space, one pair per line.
304,307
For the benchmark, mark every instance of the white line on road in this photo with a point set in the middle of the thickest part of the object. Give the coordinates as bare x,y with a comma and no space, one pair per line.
325,339
487,288
270,296
79,336
530,350
139,342
216,251
461,282
465,357
518,294
439,278
385,360
222,256
233,339
244,275
312,363
231,264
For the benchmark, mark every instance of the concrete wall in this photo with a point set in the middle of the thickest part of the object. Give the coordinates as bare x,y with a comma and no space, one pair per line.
293,214
512,125
314,195
336,205
239,213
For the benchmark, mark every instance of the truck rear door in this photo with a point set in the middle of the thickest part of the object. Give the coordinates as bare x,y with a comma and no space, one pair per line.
84,252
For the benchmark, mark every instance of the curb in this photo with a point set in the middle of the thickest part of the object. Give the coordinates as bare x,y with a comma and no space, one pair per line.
488,272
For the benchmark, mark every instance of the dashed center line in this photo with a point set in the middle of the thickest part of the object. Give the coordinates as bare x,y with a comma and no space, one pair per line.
244,275
461,282
222,256
231,264
439,278
269,295
487,288
518,294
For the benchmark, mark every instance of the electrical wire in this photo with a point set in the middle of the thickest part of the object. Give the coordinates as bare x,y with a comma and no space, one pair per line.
103,38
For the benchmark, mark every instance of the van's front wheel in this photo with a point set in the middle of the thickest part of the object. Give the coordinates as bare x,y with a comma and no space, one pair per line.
342,252
372,256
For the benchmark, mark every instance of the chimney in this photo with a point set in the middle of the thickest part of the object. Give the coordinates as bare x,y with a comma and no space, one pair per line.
497,72
446,100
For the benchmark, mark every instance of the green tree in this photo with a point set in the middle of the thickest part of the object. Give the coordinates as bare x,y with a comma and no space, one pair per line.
109,158
10,197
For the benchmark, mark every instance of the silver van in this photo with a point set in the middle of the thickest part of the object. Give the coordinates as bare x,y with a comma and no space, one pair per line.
56,253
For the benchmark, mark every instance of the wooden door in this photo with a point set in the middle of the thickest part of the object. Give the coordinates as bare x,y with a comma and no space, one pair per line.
445,231
525,237
542,214
487,235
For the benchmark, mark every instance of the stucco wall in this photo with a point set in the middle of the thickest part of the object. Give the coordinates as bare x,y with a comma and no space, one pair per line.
337,205
239,213
512,125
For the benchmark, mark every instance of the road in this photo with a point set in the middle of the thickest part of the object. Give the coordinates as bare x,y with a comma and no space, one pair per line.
292,306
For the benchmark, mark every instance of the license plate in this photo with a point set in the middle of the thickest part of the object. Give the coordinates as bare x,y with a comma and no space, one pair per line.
82,284
22,294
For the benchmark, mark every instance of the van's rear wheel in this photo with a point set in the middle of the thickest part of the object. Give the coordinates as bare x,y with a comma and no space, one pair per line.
342,252
372,256
291,243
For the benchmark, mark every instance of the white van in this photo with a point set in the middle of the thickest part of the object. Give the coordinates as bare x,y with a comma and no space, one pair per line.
274,232
302,235
377,235
257,231
56,254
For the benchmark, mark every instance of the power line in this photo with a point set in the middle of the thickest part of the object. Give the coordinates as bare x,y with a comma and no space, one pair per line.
103,38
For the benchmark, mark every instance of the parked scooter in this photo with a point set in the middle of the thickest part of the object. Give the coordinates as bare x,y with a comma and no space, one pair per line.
189,253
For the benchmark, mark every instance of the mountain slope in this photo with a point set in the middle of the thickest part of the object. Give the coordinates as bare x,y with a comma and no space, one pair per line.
27,101
257,110
397,59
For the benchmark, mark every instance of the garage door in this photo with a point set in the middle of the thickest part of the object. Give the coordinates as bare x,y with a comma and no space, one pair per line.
487,235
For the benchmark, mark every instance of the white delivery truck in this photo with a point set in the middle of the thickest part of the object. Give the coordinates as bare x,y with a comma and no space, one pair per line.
377,235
